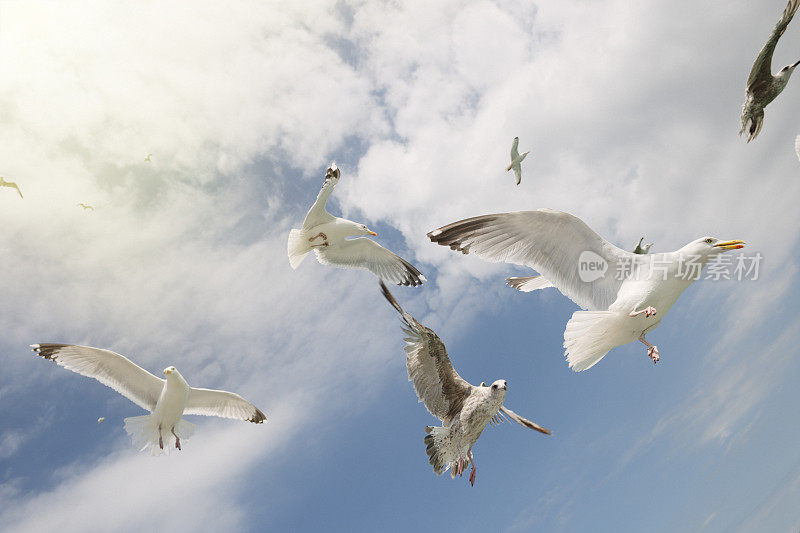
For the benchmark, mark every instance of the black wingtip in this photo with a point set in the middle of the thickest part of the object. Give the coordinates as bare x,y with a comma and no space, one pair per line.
258,418
389,297
47,350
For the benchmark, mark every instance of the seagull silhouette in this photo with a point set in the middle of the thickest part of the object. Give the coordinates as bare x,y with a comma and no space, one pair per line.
148,158
84,206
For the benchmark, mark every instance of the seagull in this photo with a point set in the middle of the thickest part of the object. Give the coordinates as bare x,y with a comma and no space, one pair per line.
642,249
101,420
4,183
325,234
762,86
166,399
85,206
797,146
464,409
148,158
624,295
516,159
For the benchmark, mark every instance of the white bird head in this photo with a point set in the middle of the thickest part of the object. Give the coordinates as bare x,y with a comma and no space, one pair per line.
361,229
499,387
171,371
709,247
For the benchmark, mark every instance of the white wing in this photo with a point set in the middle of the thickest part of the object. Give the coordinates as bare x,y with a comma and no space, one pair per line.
436,382
551,242
109,368
762,67
797,146
318,214
514,149
519,420
368,254
210,402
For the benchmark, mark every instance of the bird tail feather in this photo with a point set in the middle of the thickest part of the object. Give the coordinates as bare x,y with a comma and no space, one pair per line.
442,450
146,436
529,283
588,337
297,247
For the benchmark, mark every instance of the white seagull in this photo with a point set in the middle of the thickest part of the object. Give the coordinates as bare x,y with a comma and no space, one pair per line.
516,159
148,158
325,234
762,86
101,420
166,399
797,146
642,249
463,408
625,295
4,183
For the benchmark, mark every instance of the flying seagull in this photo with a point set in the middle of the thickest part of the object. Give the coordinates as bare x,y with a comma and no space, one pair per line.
85,206
624,295
148,158
325,234
797,146
166,399
4,183
642,249
101,420
762,86
463,408
516,159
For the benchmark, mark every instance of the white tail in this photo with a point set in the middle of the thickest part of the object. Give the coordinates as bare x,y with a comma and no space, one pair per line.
529,283
145,435
589,336
297,247
442,450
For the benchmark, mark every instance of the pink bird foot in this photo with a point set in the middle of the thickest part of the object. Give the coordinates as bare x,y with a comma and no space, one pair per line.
472,476
648,312
652,352
177,439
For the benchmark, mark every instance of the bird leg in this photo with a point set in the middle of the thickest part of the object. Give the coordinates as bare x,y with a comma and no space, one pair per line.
177,439
648,312
160,439
474,469
652,350
461,463
324,239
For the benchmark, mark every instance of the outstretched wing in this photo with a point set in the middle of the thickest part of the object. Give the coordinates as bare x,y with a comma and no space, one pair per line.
498,418
515,149
318,214
551,242
368,254
209,402
762,68
435,381
12,184
109,368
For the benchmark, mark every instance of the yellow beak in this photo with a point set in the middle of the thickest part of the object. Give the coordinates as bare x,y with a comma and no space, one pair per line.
730,245
372,233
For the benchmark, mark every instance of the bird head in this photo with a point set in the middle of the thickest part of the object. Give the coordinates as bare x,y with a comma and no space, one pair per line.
499,387
709,247
362,229
171,371
786,71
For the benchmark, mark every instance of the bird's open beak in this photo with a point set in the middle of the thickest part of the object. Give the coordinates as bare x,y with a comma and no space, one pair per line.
372,233
730,245
167,372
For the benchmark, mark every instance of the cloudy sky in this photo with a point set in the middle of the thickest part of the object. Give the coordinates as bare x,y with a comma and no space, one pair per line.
631,110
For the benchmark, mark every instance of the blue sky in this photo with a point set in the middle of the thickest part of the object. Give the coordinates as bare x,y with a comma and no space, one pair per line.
631,113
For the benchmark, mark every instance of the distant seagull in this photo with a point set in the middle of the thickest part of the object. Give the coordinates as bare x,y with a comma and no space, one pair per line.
325,234
4,183
516,159
101,420
463,408
642,249
797,146
621,291
85,206
762,86
167,399
148,158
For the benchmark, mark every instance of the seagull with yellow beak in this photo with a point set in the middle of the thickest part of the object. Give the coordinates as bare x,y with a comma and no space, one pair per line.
624,295
327,236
